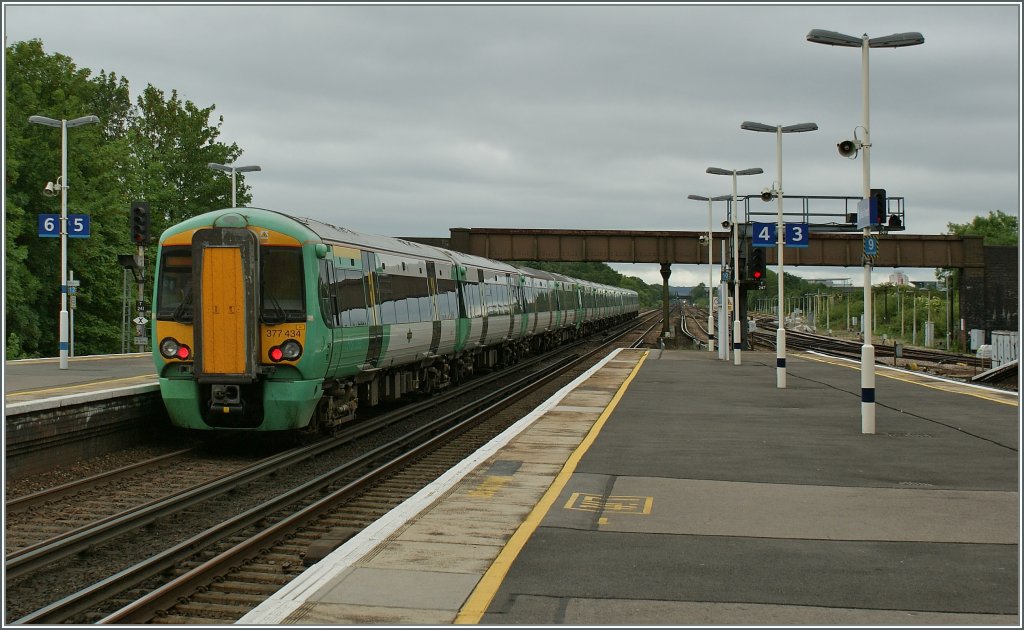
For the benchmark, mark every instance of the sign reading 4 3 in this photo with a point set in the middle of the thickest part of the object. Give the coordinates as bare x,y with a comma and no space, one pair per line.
797,234
764,235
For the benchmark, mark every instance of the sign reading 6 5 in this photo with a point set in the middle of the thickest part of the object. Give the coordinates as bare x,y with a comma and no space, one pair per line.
78,225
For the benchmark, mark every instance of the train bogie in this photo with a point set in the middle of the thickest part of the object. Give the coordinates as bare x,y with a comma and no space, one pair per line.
268,322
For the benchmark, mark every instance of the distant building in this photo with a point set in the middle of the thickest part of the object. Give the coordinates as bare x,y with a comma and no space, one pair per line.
900,279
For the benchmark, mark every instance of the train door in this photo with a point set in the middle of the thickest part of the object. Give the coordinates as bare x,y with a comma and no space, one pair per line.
327,288
225,272
482,294
376,329
435,313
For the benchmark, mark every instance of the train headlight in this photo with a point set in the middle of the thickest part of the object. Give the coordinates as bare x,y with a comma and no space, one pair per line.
291,349
171,349
287,351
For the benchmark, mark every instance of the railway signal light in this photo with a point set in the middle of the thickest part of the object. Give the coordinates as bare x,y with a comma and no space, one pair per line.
878,206
140,222
756,268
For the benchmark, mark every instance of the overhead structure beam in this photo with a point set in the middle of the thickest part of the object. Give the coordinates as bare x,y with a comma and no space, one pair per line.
685,247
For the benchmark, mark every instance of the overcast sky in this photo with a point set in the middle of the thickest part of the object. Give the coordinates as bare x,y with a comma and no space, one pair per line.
410,120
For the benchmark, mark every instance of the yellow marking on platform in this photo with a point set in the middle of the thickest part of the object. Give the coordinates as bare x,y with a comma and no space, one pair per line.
944,386
489,486
81,386
91,357
601,503
476,605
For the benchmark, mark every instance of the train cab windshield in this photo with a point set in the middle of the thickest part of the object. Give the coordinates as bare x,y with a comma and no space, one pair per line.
282,284
174,297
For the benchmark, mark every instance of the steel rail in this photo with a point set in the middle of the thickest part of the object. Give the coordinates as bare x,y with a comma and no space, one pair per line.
82,600
86,598
22,503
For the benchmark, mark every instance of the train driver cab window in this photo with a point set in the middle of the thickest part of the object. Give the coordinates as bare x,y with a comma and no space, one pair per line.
174,298
281,285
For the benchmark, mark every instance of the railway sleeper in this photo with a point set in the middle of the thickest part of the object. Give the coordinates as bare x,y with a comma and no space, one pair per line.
248,588
181,620
258,576
214,611
222,597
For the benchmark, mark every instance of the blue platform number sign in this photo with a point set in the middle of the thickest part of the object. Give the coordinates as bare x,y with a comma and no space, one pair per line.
763,235
49,225
78,225
798,234
871,247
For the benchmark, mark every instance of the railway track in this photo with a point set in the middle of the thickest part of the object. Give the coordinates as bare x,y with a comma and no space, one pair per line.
948,364
108,572
961,367
843,347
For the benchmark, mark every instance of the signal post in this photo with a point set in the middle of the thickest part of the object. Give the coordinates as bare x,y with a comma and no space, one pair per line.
140,236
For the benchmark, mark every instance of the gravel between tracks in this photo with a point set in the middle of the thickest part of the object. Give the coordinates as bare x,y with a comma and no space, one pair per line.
73,471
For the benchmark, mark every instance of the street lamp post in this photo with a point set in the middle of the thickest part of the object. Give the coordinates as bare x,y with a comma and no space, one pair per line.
232,169
736,334
64,125
867,360
780,333
711,268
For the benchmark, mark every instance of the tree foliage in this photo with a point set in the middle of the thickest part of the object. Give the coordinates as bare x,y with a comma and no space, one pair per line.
155,150
998,228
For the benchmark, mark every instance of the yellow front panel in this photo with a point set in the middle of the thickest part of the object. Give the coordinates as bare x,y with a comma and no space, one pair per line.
223,350
275,335
182,333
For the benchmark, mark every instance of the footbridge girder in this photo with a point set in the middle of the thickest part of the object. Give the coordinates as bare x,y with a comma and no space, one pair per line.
683,247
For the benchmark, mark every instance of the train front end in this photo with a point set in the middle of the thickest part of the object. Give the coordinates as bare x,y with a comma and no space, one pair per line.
231,335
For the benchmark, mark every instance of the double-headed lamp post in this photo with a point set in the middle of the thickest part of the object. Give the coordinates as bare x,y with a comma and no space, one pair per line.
867,358
232,169
780,332
64,125
711,267
737,336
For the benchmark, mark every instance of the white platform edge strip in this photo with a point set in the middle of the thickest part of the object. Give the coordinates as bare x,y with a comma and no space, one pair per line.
925,375
28,406
293,595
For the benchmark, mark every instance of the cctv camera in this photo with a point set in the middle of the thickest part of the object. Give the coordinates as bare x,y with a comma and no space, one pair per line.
766,194
848,148
49,190
703,239
725,224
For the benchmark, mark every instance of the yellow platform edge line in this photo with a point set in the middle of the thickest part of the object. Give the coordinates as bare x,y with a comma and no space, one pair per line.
480,599
946,386
145,379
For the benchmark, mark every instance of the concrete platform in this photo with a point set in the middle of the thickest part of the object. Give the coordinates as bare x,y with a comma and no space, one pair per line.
100,403
33,384
674,488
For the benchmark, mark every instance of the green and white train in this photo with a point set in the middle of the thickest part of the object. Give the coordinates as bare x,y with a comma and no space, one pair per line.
269,322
